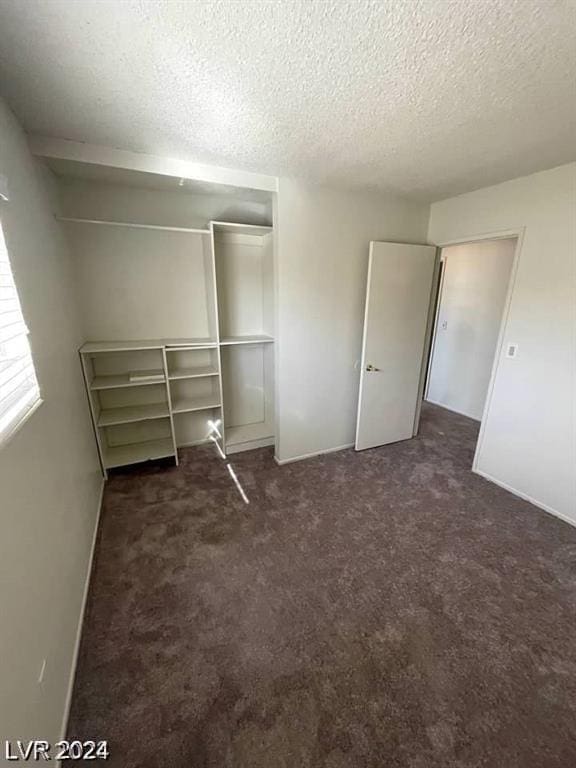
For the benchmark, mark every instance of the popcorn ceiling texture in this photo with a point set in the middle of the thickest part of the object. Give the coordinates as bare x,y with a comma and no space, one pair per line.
426,98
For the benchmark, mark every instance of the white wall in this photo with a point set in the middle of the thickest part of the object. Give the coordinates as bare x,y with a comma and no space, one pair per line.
140,283
529,439
322,240
474,288
240,271
49,476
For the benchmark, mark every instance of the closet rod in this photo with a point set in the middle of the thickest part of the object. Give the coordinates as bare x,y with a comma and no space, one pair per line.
133,225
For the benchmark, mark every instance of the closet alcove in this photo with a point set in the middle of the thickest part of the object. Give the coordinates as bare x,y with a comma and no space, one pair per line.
177,311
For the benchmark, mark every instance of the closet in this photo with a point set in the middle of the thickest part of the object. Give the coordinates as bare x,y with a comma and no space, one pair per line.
178,317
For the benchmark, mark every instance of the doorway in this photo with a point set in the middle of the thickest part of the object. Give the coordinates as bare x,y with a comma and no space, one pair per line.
472,295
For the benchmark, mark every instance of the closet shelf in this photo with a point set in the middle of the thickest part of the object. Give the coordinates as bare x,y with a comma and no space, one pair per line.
133,225
192,345
171,345
187,404
93,347
133,453
247,433
128,414
124,380
258,339
192,373
196,342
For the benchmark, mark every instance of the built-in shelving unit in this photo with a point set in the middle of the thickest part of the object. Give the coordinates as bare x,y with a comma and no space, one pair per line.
188,314
243,256
128,414
123,455
132,418
196,393
134,421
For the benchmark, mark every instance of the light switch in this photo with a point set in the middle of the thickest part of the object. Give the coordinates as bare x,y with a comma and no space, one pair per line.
511,350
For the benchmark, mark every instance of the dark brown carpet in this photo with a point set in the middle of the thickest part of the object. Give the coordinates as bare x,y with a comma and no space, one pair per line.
387,608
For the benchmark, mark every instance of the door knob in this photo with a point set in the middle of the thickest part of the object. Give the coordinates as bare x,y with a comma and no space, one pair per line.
371,368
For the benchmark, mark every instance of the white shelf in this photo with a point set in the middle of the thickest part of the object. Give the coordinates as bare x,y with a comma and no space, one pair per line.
119,346
248,433
129,345
133,225
192,373
188,404
259,339
110,416
123,380
122,455
192,344
179,344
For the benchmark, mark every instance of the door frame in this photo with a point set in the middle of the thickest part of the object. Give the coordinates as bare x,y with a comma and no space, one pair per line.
428,339
505,234
437,299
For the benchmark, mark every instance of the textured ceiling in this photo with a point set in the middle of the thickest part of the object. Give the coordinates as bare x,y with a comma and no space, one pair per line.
427,98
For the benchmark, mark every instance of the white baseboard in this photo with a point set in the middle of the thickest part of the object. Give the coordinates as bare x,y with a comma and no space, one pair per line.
452,410
81,617
314,453
525,497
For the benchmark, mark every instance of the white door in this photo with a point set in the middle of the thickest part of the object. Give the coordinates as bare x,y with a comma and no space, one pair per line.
395,327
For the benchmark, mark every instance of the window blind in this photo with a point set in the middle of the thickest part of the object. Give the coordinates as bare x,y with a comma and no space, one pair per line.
19,391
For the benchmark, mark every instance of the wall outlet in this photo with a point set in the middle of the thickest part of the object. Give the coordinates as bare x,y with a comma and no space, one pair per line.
511,350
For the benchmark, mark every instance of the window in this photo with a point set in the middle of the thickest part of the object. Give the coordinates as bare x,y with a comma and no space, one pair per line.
19,392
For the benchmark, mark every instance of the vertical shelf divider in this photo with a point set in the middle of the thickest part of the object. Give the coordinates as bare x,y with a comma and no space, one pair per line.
169,397
93,415
222,428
